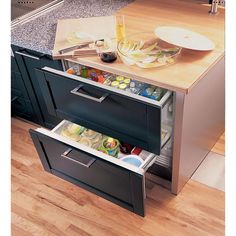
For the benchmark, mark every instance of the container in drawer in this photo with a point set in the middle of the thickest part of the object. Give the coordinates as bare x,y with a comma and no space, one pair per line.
103,146
63,153
129,117
121,83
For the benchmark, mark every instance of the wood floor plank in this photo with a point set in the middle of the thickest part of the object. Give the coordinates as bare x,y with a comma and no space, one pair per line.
43,204
39,212
219,147
74,231
15,230
28,226
188,215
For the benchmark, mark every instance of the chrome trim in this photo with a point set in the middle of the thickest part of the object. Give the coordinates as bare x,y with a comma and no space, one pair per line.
27,55
63,63
214,6
64,155
150,162
76,92
164,161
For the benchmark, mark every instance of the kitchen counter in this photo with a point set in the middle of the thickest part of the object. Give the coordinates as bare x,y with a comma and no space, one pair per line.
39,34
192,66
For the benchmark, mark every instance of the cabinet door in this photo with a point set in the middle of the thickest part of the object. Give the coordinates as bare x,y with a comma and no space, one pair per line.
14,66
21,107
28,61
17,85
20,104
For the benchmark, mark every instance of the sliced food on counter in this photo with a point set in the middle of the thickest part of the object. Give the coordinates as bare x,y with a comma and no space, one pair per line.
145,51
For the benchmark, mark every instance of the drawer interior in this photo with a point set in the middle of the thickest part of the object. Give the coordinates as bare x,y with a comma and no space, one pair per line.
93,143
143,91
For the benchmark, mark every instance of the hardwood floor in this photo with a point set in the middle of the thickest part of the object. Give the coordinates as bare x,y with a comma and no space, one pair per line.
220,145
43,204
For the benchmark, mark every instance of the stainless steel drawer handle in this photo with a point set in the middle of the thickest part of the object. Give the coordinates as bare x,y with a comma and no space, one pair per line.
65,155
76,92
27,55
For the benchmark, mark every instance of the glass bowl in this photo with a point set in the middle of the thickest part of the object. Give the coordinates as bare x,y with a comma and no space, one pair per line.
145,50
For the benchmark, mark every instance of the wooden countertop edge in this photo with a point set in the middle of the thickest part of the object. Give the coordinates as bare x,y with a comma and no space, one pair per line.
100,66
205,72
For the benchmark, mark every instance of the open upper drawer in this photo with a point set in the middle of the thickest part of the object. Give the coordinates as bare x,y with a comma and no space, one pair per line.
129,117
82,164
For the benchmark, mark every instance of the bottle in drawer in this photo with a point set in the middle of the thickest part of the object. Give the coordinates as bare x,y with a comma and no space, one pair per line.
118,82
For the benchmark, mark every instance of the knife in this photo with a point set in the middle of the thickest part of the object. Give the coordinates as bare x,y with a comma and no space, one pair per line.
71,48
78,46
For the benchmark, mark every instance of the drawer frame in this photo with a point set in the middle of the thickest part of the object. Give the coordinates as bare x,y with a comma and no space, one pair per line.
136,175
133,96
139,170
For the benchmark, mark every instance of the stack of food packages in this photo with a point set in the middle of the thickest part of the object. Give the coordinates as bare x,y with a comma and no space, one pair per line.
100,142
118,81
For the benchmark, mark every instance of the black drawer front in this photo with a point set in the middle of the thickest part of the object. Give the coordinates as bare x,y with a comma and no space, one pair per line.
116,183
121,117
99,175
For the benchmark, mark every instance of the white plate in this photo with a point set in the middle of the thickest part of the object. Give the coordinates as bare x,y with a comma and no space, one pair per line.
184,38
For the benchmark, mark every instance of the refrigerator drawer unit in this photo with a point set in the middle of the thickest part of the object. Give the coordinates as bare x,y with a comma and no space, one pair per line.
129,117
142,122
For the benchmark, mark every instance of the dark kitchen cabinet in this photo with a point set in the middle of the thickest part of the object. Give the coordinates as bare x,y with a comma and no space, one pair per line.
28,61
21,105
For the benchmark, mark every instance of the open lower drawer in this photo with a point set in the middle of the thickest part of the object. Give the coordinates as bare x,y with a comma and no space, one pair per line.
135,119
83,164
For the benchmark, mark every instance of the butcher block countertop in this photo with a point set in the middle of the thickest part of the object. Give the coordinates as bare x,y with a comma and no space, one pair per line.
145,16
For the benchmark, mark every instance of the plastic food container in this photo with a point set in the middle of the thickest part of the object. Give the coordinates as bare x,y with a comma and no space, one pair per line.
110,145
72,131
133,160
145,50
